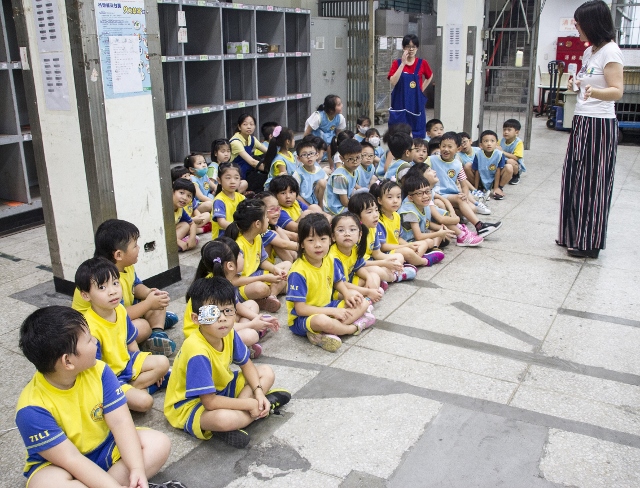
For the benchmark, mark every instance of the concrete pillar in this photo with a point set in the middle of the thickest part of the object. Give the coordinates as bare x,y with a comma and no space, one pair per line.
98,156
457,101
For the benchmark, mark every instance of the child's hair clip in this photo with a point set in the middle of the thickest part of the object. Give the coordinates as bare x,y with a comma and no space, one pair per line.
217,260
276,131
208,314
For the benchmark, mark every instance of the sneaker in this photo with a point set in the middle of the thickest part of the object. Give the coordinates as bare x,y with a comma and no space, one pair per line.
462,228
255,350
469,240
206,228
277,397
384,285
487,194
433,257
486,228
482,209
167,484
159,343
444,243
153,388
186,239
515,179
235,438
409,272
478,194
364,322
170,319
270,304
328,342
262,333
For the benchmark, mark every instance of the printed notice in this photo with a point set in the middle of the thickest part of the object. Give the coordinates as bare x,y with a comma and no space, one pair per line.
122,39
124,64
383,43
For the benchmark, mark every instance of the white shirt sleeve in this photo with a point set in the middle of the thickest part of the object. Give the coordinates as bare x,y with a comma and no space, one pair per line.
313,121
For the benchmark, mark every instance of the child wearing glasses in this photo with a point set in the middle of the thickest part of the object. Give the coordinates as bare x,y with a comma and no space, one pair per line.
204,396
309,175
365,174
342,182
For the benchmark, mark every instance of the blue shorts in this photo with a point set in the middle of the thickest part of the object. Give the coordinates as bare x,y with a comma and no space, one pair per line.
105,456
302,325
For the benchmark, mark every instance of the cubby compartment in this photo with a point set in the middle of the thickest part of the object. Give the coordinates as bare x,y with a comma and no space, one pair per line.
178,141
298,31
204,129
271,78
10,27
232,119
298,71
273,112
204,31
30,164
298,112
21,100
270,27
204,83
8,124
173,78
239,80
12,181
168,20
238,25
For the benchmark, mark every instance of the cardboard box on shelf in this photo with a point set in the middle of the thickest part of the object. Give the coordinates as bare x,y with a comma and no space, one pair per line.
274,48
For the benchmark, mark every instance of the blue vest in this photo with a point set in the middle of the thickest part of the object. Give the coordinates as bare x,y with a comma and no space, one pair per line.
306,181
332,203
487,167
447,174
408,102
244,166
405,228
393,167
363,176
512,147
465,158
327,128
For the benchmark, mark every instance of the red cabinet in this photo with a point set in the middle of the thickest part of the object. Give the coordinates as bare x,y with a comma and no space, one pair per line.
570,50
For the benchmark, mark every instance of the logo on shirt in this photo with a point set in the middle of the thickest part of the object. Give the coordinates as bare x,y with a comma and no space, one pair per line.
332,128
97,413
451,173
412,84
492,167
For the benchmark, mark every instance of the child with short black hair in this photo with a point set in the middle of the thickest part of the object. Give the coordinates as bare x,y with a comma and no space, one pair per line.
373,137
312,278
72,415
450,173
198,168
342,181
401,148
309,175
435,128
363,124
513,148
335,143
286,190
433,146
201,219
387,158
489,169
365,173
139,373
180,172
186,229
266,129
415,213
204,397
117,241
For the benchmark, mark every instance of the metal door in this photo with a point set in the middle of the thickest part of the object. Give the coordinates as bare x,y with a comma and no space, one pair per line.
508,86
329,55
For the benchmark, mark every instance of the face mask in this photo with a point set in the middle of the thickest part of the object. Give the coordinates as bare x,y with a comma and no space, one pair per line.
201,172
374,141
363,130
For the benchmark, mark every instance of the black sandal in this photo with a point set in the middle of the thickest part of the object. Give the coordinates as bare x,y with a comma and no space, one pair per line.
584,253
558,243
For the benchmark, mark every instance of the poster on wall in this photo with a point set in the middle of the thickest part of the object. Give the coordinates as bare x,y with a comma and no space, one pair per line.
124,54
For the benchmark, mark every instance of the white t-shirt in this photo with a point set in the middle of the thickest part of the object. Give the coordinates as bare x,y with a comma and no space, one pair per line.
592,73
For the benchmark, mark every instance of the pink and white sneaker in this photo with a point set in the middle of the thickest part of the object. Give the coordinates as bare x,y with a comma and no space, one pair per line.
364,322
469,239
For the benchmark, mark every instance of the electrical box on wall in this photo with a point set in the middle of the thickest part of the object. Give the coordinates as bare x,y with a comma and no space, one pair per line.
330,52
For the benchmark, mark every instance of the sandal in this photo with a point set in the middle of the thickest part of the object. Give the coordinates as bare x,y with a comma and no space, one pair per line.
558,243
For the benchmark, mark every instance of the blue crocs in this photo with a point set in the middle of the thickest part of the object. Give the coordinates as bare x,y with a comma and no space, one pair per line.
170,319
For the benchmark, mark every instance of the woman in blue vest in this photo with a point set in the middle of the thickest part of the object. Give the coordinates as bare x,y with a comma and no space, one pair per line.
327,122
409,77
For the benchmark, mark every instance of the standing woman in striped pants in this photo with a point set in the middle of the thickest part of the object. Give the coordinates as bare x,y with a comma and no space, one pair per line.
589,166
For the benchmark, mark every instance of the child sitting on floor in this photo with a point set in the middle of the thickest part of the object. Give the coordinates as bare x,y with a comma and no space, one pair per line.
311,178
342,181
204,397
513,148
286,190
139,373
72,415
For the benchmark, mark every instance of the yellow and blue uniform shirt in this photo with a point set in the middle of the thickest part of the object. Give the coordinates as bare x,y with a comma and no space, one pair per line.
267,238
128,280
373,243
517,149
188,325
291,214
312,285
223,207
200,369
47,416
389,229
281,164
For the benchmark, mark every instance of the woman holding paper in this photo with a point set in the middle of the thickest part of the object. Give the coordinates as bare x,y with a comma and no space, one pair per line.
409,76
589,165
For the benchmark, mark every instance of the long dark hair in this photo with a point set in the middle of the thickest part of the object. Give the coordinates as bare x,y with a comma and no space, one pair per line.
275,143
596,22
329,105
364,230
248,212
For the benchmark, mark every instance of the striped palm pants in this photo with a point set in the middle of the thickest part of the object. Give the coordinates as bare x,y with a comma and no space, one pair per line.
587,183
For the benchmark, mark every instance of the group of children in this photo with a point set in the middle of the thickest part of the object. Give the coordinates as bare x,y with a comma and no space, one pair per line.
330,239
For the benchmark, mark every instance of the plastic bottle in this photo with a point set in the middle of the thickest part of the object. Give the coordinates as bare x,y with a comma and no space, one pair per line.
519,56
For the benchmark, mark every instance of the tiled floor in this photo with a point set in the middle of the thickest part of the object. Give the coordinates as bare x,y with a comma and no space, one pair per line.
506,365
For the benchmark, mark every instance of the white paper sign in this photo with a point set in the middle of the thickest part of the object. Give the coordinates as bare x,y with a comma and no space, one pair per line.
125,57
383,43
399,43
182,35
182,19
